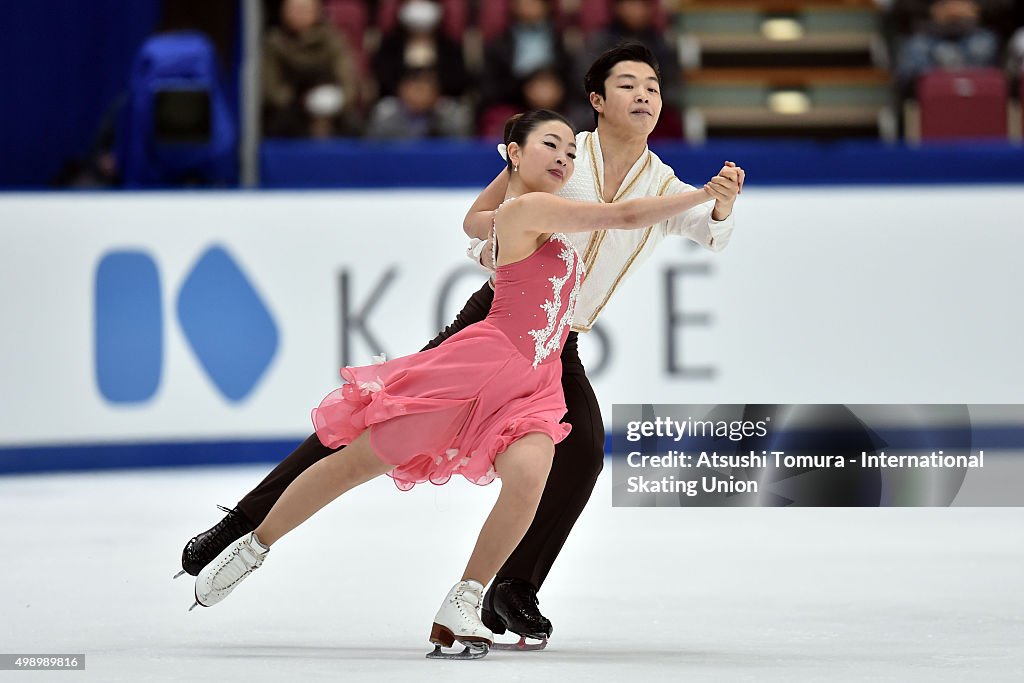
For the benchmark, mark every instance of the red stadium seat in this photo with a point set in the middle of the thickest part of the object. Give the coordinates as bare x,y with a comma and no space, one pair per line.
492,121
662,17
493,18
966,103
456,18
350,17
594,15
387,15
670,125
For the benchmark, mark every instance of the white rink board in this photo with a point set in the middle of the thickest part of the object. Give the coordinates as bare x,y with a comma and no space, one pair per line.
863,295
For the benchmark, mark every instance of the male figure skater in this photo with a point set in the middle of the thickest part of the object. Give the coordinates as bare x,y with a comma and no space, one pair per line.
613,163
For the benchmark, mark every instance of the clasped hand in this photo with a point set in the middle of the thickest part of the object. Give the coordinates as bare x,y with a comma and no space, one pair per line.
724,188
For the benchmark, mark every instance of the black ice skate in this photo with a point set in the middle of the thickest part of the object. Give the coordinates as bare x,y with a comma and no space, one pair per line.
204,548
512,605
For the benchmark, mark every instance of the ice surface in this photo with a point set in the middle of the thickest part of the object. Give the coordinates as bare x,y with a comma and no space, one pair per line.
638,594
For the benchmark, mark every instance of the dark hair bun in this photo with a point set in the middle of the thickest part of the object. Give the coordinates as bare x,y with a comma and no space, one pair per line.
510,126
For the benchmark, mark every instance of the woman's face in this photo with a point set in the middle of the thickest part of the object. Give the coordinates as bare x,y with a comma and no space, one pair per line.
547,158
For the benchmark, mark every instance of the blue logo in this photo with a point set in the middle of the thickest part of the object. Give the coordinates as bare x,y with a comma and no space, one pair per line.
129,327
221,316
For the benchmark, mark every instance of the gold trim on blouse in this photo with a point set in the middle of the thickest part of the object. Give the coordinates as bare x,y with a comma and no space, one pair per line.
592,317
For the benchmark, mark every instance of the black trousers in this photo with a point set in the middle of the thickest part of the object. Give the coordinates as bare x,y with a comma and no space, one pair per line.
574,471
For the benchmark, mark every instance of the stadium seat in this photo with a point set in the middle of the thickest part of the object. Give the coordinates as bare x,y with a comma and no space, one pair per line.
491,124
456,18
1020,107
493,18
594,15
176,126
351,17
967,103
387,15
670,125
494,15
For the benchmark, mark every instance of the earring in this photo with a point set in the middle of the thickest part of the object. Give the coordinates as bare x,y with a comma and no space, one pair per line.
515,168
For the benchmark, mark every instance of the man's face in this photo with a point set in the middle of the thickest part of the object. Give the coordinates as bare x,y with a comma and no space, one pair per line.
632,97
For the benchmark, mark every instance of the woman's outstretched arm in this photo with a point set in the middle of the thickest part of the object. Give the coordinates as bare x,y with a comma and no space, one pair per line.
540,212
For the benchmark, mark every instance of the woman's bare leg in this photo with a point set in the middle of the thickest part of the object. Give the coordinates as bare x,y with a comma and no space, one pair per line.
523,468
319,485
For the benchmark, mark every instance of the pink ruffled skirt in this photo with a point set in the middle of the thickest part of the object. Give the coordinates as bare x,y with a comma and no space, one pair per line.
449,410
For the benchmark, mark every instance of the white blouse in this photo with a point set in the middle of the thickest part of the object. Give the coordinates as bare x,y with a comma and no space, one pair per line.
609,256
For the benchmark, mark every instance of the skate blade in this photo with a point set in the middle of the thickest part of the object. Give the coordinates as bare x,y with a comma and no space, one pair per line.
522,645
196,603
472,651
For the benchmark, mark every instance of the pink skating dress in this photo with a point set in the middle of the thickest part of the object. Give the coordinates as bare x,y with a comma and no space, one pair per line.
452,409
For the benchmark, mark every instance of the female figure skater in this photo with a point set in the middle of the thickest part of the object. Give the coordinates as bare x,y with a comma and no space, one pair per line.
486,403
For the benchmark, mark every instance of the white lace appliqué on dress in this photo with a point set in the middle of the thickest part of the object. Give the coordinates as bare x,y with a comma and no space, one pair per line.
547,339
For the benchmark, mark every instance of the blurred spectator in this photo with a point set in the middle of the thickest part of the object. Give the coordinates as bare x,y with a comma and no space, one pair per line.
417,42
911,16
309,76
419,111
530,42
952,37
1016,52
543,89
634,20
99,168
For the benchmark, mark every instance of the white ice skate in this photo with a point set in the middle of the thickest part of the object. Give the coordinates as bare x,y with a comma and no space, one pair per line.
459,620
239,560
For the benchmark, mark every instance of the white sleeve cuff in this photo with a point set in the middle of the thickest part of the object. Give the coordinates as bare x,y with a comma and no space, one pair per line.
725,225
475,252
